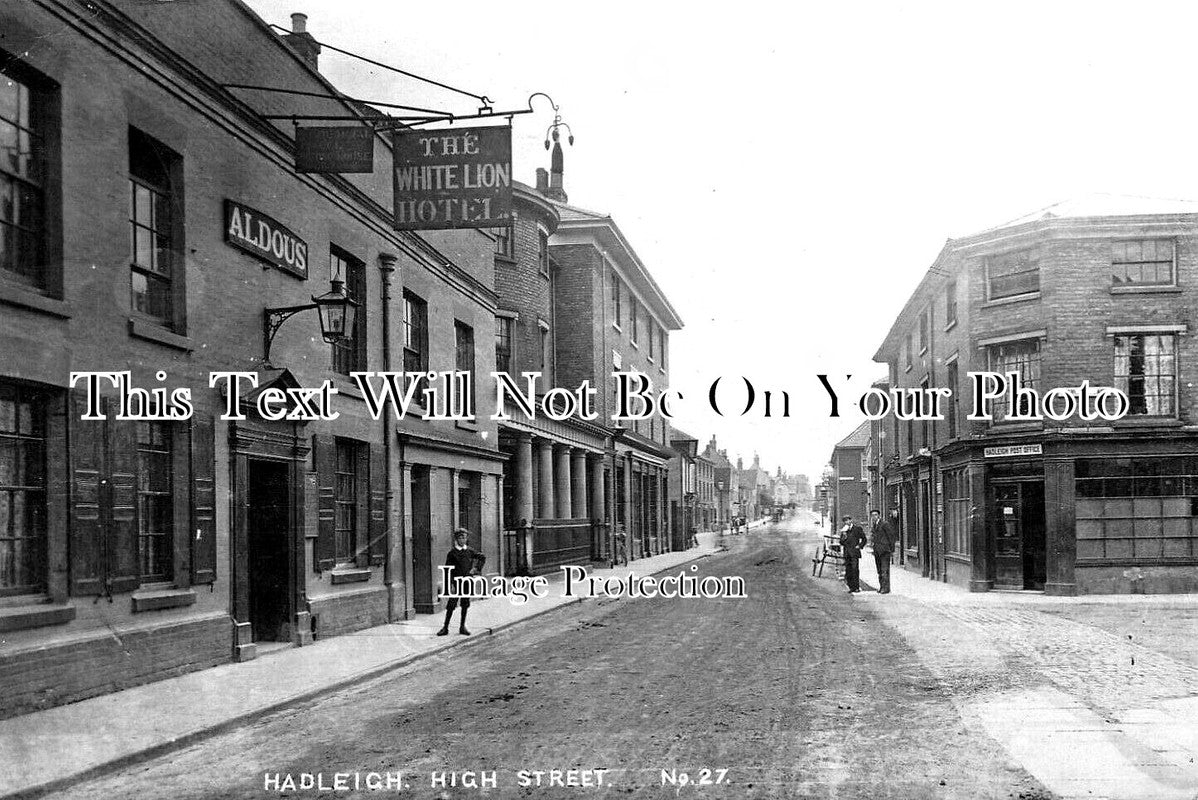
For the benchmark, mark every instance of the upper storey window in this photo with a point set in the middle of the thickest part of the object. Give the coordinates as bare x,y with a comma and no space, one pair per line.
1012,274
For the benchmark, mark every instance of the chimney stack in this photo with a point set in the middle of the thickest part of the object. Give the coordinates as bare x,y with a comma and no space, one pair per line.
301,41
543,180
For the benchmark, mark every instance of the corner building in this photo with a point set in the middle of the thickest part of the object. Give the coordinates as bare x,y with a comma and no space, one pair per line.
131,551
1101,289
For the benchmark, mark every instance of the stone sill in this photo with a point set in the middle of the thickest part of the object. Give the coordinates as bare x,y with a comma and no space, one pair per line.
1006,301
466,424
26,297
345,385
159,599
950,326
1145,290
1181,561
958,558
350,575
1147,422
152,332
18,618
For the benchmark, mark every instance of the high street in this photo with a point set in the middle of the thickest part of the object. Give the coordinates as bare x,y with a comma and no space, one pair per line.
800,690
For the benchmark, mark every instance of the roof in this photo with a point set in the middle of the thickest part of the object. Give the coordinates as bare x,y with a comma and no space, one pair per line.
1100,204
858,438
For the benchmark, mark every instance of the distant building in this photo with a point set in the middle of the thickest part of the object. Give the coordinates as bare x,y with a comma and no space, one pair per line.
849,490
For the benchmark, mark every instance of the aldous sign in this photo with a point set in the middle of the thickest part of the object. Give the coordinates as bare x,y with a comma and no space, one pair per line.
459,178
262,237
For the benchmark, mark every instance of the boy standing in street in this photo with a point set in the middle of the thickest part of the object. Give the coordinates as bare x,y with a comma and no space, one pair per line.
466,561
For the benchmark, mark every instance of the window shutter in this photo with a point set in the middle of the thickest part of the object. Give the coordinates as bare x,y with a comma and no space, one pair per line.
124,573
88,491
378,506
362,526
203,500
324,452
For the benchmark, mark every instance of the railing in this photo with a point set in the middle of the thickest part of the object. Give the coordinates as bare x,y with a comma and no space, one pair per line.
557,542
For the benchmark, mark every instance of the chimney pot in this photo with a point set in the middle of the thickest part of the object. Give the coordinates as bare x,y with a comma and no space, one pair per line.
299,23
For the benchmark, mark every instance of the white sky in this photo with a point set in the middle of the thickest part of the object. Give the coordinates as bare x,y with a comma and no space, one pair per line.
789,172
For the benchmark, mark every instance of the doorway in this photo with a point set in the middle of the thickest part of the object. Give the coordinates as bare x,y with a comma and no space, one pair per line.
925,530
268,526
1020,541
422,541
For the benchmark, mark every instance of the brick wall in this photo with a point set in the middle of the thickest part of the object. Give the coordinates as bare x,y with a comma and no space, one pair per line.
42,677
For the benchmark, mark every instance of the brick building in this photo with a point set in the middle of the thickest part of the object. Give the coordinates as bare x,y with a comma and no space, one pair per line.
557,475
1101,289
619,321
723,476
135,550
849,486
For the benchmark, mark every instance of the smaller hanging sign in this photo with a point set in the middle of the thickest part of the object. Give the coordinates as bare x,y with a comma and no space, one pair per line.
342,148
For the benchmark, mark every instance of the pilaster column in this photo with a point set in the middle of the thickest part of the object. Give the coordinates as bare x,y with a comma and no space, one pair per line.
545,509
523,477
561,455
578,484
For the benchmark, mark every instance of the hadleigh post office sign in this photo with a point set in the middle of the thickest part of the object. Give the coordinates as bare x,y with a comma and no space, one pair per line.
264,238
456,178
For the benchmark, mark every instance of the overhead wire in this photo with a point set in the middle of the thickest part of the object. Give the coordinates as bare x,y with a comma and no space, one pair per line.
481,98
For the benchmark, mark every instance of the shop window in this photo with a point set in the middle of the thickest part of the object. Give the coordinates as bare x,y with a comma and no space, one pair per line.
155,502
349,354
25,122
1137,508
415,341
153,196
956,512
1012,274
1021,357
22,490
1146,371
1144,262
503,344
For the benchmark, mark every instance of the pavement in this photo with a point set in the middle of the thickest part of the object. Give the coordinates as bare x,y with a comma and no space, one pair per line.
1095,695
50,749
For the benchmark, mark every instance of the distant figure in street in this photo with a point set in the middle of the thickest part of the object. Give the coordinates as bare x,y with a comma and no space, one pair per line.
882,538
852,539
466,561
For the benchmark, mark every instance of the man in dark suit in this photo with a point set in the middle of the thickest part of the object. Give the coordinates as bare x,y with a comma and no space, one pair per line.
882,538
465,561
852,539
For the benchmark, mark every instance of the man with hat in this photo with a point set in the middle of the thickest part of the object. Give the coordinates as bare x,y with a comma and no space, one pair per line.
852,539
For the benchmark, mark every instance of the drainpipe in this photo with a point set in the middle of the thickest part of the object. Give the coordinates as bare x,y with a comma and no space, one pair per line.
386,269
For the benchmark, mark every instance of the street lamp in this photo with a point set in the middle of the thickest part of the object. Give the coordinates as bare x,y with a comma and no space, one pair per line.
335,309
